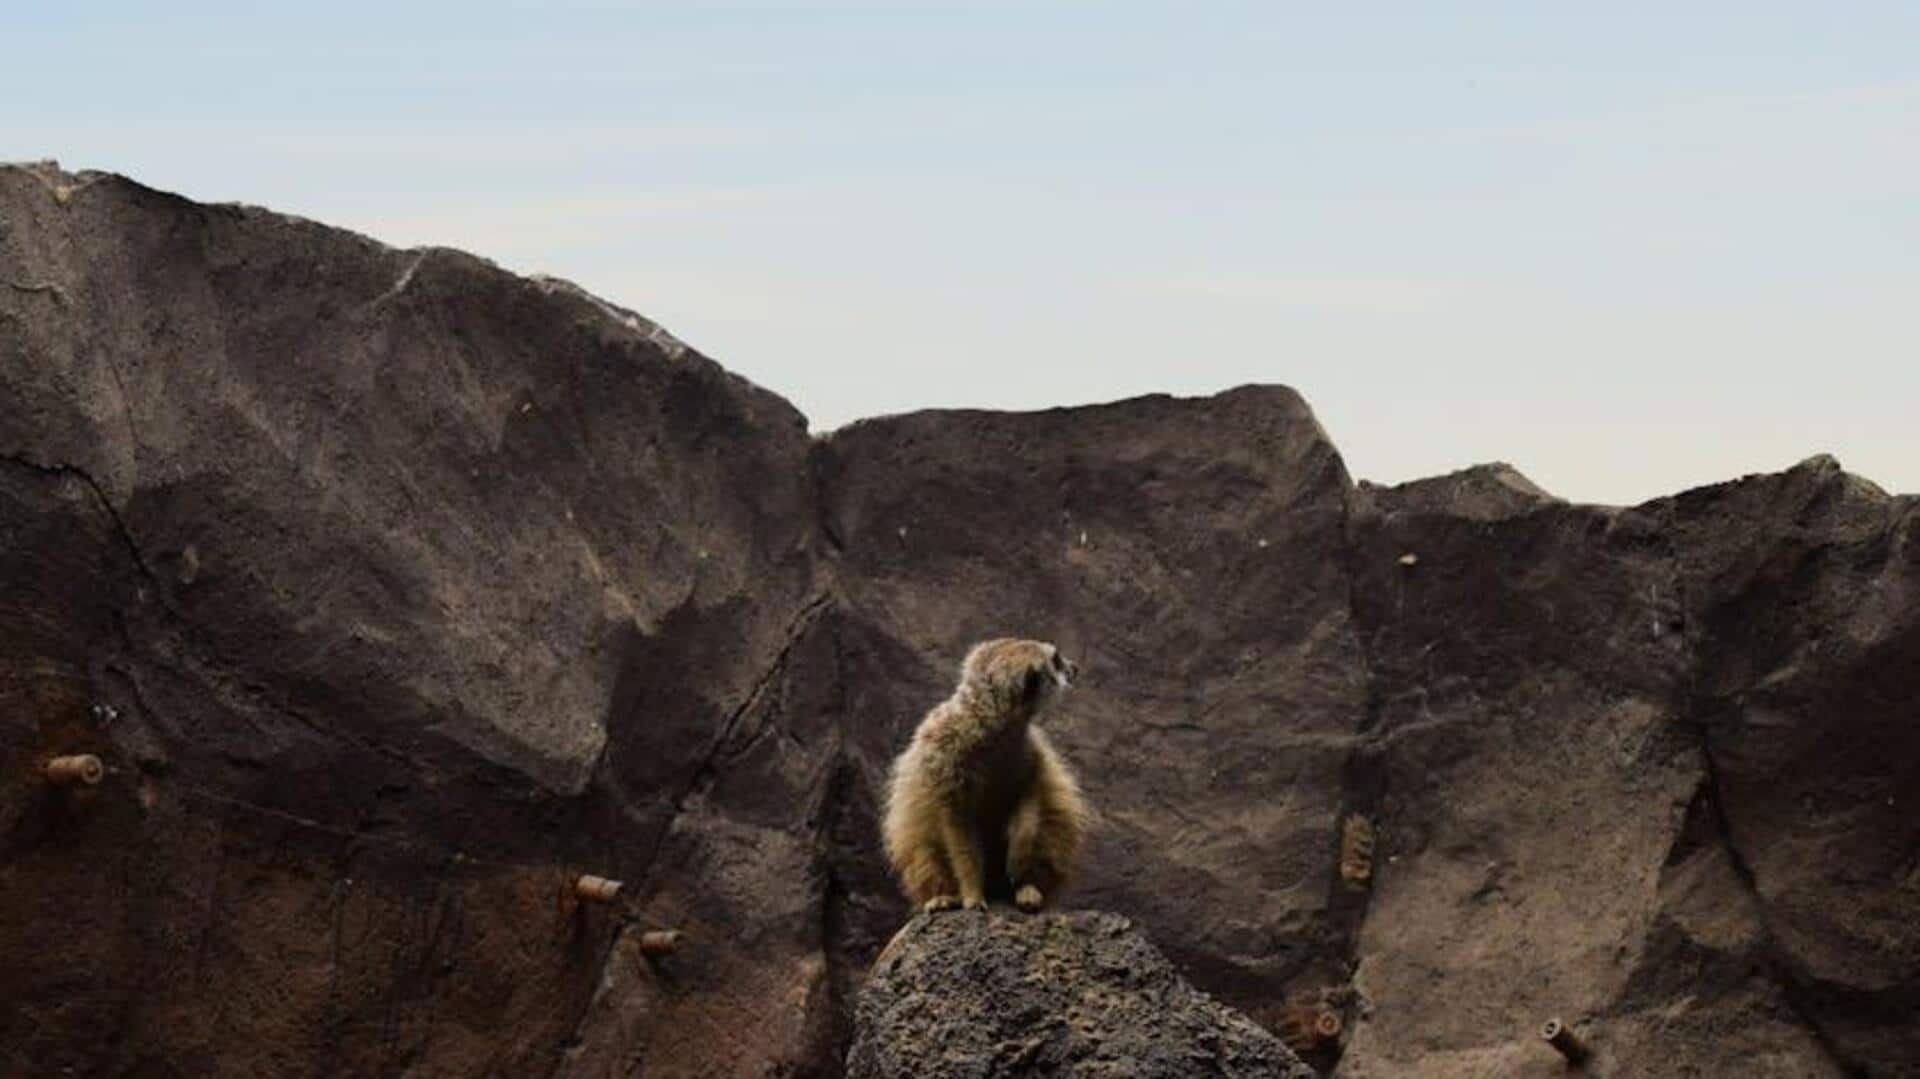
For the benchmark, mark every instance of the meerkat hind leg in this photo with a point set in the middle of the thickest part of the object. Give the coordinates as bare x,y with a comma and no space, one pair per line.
1041,837
927,878
963,857
1023,837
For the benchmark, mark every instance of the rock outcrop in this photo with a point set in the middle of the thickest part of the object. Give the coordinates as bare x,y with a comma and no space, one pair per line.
999,995
396,590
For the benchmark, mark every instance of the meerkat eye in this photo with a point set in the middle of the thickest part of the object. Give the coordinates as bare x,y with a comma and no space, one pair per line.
1057,661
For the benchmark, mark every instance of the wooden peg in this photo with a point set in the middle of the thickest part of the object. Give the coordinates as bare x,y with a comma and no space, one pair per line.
597,889
1356,852
1557,1035
80,770
1310,1023
659,942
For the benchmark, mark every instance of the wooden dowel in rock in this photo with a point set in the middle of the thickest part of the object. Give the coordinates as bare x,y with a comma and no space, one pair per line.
1557,1035
659,941
597,889
80,770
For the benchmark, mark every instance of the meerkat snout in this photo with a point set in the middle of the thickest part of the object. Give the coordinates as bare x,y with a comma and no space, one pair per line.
1064,670
1047,680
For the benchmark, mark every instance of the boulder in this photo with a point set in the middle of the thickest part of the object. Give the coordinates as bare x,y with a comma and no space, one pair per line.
1002,994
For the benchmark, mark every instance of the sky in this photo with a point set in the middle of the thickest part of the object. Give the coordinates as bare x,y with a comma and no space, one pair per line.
1629,248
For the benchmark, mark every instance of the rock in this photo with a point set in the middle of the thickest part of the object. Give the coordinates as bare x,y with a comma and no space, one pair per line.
1003,994
1805,630
1484,492
447,494
1621,760
397,592
420,589
1527,765
1190,556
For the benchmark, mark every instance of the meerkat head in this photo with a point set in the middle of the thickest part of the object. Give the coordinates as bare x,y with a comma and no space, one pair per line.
1017,675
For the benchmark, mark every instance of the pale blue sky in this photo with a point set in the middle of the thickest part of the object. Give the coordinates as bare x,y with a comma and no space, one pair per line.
1629,248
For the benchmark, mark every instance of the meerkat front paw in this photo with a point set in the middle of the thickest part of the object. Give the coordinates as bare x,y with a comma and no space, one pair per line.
940,903
1028,898
974,902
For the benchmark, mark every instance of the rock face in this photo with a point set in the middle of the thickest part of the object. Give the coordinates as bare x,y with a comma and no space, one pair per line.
1189,555
1633,765
396,591
1002,994
485,581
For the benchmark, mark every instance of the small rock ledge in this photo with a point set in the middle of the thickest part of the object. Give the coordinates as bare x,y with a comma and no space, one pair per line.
1081,994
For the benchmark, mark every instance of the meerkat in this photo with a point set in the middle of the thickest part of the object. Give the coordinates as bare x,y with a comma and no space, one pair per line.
980,804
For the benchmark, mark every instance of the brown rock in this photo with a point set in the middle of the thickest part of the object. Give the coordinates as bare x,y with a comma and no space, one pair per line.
1189,555
418,589
1004,994
396,593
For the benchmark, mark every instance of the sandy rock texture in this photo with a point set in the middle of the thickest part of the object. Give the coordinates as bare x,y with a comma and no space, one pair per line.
396,591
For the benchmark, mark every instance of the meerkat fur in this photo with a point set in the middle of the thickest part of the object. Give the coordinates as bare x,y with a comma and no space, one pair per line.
980,804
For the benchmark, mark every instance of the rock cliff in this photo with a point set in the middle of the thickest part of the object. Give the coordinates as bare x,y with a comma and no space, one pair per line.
395,591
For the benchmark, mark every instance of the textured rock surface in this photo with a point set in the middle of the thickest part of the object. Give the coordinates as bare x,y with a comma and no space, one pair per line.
395,590
446,561
1188,554
1004,994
